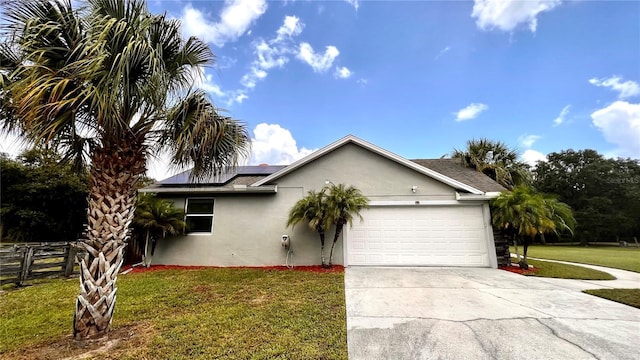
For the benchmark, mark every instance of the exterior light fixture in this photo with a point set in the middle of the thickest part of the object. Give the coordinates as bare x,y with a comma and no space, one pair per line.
414,188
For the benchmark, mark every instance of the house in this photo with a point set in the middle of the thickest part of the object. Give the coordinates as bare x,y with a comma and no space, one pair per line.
422,212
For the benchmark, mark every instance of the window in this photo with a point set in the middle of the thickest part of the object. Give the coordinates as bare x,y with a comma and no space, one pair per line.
199,217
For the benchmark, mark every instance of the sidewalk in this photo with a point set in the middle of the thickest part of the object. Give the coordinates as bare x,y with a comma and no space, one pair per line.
624,279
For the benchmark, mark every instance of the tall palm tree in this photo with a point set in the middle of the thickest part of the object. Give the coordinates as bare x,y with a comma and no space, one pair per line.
522,214
110,82
494,159
312,210
157,218
343,203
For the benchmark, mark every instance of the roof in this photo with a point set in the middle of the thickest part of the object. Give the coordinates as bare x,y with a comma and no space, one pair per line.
453,169
235,180
350,139
257,172
263,178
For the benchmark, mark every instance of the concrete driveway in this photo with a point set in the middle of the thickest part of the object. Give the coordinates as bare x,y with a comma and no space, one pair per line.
469,313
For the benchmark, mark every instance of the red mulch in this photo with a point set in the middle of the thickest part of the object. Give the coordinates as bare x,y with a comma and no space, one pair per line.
315,268
516,269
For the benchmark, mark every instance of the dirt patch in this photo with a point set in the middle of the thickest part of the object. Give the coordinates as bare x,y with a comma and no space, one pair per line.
516,269
315,268
118,340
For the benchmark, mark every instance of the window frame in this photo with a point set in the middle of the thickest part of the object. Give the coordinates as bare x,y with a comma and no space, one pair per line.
187,215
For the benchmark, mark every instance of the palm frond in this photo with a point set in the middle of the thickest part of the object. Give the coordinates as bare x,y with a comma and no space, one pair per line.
196,134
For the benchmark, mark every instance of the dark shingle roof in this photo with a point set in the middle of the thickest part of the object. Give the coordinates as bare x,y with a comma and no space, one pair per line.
453,169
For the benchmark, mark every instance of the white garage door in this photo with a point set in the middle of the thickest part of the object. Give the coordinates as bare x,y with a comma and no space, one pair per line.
419,236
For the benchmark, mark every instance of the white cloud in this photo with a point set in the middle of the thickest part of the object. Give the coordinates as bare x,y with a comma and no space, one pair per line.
625,89
343,73
273,53
235,19
275,145
291,27
470,111
269,57
506,15
363,82
240,98
620,125
560,119
318,62
207,85
531,157
442,52
528,140
354,3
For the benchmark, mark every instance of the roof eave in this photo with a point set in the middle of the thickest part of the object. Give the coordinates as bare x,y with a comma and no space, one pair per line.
473,197
266,189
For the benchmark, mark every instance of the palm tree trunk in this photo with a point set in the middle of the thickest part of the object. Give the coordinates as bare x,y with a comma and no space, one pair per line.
339,227
146,249
115,172
321,233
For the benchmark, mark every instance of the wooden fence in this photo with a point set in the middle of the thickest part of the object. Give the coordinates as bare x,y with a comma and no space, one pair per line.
28,261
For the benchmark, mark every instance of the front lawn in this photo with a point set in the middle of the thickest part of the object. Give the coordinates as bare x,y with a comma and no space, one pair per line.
563,271
189,314
626,258
629,297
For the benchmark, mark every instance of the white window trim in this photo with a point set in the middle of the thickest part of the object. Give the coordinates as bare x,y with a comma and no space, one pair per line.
186,215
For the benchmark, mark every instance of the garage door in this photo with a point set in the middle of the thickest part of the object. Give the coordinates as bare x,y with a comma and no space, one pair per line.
419,236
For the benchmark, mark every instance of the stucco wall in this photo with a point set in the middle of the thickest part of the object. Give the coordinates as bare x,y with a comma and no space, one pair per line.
247,228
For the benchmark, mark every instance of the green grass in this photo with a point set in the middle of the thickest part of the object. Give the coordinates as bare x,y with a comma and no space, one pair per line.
194,314
627,258
564,271
629,297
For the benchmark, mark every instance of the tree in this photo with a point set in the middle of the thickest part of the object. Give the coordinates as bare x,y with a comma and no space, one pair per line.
523,214
494,159
604,193
34,189
112,83
342,204
312,210
156,218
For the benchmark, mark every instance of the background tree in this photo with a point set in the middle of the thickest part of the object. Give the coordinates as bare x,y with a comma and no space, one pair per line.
604,193
113,83
494,159
342,204
41,199
523,214
156,218
312,210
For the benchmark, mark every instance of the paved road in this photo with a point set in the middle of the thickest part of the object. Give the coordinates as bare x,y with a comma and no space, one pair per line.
470,313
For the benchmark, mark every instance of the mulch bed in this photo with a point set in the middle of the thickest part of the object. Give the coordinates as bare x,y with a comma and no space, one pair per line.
516,269
315,269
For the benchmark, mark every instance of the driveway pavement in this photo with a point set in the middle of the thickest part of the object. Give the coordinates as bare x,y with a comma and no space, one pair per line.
479,313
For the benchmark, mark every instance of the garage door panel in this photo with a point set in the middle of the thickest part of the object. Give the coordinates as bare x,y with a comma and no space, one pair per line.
419,236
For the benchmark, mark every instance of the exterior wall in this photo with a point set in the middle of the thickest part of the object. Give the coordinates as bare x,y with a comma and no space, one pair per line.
247,228
246,232
377,177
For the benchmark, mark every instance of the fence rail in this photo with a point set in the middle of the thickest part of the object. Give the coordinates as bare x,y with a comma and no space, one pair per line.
28,261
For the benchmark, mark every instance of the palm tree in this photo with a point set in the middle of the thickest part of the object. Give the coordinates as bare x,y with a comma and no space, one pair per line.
112,83
342,204
312,210
494,159
522,214
157,218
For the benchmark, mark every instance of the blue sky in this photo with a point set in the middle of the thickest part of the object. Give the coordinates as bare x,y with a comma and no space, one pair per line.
422,77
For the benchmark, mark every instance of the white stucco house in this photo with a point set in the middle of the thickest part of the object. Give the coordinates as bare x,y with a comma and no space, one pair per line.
422,212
